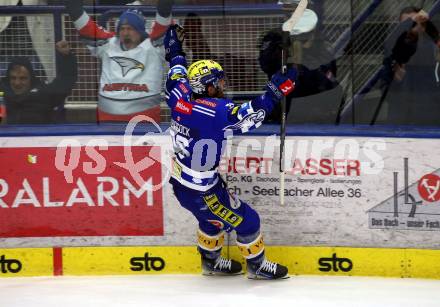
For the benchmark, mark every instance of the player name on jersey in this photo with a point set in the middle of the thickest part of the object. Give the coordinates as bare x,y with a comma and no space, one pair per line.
180,128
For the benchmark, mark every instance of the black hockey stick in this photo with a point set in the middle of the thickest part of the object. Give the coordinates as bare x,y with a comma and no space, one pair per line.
379,105
287,28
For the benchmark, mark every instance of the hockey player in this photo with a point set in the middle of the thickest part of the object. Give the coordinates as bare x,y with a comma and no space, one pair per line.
201,120
132,61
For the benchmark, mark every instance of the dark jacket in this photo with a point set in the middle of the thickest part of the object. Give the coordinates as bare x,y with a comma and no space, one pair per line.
44,101
316,75
413,100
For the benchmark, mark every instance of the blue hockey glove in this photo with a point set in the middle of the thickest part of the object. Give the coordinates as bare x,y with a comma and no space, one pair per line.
282,85
173,42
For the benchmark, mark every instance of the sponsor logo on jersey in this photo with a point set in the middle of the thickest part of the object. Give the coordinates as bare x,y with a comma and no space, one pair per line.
127,64
183,88
128,87
206,103
217,224
183,107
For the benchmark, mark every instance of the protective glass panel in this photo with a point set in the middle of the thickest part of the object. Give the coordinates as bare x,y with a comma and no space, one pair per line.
357,62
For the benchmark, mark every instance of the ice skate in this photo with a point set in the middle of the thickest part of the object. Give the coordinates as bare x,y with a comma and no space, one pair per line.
267,270
221,266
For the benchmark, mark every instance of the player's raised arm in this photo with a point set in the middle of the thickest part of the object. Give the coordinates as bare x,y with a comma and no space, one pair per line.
177,85
250,115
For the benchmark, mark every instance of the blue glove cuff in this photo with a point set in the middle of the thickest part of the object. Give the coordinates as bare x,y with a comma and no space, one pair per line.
178,60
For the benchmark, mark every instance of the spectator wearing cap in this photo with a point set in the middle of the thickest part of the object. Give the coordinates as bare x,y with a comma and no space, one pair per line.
27,100
316,66
132,61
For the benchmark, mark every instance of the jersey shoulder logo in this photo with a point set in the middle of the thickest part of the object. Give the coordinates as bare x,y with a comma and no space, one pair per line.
127,64
205,102
248,122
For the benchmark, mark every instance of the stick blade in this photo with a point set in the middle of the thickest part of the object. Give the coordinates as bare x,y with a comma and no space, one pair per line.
293,20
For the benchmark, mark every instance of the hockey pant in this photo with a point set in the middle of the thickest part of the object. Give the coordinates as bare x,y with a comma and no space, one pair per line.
218,211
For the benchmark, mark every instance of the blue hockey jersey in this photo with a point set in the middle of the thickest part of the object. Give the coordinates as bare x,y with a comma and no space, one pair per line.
200,127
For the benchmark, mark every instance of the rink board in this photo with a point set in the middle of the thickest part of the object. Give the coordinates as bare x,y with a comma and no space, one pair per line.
340,191
152,260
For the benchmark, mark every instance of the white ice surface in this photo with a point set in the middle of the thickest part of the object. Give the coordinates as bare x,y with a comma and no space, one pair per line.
237,291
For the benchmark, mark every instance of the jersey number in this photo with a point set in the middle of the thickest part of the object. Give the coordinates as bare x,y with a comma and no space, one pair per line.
180,143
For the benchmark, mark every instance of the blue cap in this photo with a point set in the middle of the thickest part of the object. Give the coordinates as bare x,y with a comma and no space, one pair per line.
135,19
